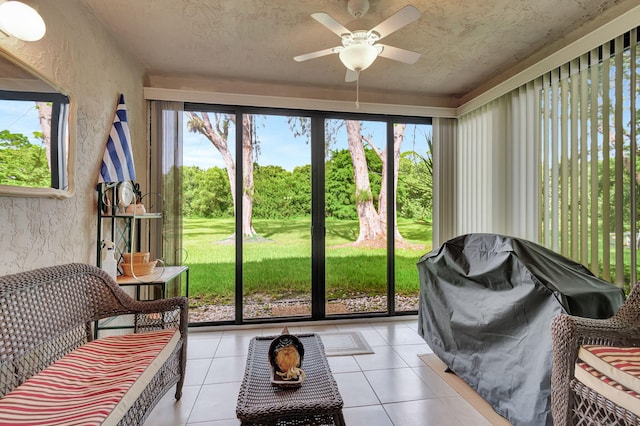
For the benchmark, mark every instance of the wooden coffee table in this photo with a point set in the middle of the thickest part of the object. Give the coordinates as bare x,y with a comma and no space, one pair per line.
316,402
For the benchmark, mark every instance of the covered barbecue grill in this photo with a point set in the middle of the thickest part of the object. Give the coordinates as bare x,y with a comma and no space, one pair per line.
486,304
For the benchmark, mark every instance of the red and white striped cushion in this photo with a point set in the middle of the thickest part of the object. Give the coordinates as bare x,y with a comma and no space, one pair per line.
94,385
612,372
621,364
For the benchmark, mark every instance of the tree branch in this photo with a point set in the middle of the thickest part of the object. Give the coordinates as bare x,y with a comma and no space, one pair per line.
373,147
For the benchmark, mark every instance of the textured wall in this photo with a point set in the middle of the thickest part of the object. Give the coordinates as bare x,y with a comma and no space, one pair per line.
77,54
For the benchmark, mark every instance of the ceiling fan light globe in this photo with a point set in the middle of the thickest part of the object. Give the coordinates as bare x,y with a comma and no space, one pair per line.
358,57
21,21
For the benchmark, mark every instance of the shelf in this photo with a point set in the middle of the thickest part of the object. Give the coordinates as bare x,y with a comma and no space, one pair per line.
132,216
153,280
158,278
169,273
120,227
124,230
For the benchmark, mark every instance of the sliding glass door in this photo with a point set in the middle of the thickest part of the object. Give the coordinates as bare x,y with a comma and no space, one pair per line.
276,217
333,212
413,172
355,217
209,162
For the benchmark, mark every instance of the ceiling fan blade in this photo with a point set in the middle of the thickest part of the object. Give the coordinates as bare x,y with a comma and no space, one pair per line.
316,54
397,54
403,17
350,76
329,22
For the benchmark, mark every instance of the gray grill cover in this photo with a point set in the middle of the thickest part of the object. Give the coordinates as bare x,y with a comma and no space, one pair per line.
486,304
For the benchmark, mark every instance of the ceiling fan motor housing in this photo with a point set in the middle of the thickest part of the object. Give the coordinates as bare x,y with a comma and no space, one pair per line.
358,8
360,37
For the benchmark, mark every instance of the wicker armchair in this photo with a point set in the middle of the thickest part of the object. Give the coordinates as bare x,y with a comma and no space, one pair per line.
571,401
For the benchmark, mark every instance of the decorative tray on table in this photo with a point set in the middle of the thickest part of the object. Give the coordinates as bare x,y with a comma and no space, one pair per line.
286,353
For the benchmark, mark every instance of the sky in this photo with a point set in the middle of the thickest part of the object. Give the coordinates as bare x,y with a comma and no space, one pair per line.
278,145
20,117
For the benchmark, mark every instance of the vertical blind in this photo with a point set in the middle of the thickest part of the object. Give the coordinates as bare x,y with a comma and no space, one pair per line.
589,171
497,185
444,183
166,179
556,161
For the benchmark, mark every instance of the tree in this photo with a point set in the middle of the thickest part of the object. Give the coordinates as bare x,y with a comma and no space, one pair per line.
300,184
273,192
339,186
21,162
44,115
206,192
372,226
373,223
415,187
219,137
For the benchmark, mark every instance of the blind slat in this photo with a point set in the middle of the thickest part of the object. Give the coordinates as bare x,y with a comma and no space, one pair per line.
633,70
606,203
595,217
574,203
619,163
584,163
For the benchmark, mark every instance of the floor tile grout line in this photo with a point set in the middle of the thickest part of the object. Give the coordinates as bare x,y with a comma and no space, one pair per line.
193,406
378,397
203,380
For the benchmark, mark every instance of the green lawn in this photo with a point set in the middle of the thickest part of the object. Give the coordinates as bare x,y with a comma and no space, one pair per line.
278,263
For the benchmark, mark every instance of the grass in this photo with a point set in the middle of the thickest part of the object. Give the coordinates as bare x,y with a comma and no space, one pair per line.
278,264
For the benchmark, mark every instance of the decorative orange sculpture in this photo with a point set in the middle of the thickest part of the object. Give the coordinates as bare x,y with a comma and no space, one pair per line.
286,353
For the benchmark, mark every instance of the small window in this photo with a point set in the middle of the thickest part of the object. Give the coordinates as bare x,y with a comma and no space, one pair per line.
33,139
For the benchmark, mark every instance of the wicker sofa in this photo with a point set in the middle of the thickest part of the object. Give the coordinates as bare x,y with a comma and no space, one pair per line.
595,378
52,370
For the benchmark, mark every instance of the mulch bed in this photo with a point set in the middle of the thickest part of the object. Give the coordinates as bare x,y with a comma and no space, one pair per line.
265,309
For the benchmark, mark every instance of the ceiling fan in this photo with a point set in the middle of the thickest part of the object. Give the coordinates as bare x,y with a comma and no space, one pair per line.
360,48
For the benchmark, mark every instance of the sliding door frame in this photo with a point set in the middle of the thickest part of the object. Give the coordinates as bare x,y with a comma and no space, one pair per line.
318,228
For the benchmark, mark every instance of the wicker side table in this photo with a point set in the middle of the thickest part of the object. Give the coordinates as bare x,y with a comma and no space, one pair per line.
317,402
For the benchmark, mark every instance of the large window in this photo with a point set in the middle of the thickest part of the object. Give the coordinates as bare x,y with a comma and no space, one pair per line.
314,196
590,169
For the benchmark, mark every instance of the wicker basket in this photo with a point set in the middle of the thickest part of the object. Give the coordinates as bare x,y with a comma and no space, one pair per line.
143,268
137,257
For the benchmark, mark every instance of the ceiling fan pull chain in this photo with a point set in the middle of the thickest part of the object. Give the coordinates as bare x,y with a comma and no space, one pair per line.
358,90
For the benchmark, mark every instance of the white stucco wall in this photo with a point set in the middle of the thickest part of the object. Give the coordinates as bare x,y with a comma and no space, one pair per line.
78,54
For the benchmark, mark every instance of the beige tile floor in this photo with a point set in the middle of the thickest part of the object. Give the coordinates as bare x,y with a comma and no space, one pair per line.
390,387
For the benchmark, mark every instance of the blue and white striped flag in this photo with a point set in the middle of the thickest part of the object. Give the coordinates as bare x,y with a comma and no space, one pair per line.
117,162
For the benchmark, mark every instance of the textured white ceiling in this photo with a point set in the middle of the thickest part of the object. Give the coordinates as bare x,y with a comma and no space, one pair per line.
464,43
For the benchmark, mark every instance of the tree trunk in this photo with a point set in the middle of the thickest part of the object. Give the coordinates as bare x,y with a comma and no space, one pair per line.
44,114
398,137
219,137
247,181
371,227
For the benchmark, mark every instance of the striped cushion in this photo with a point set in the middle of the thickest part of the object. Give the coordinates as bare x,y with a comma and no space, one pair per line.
619,364
612,372
93,385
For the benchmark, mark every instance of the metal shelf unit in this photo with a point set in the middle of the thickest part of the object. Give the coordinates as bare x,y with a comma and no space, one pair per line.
125,230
